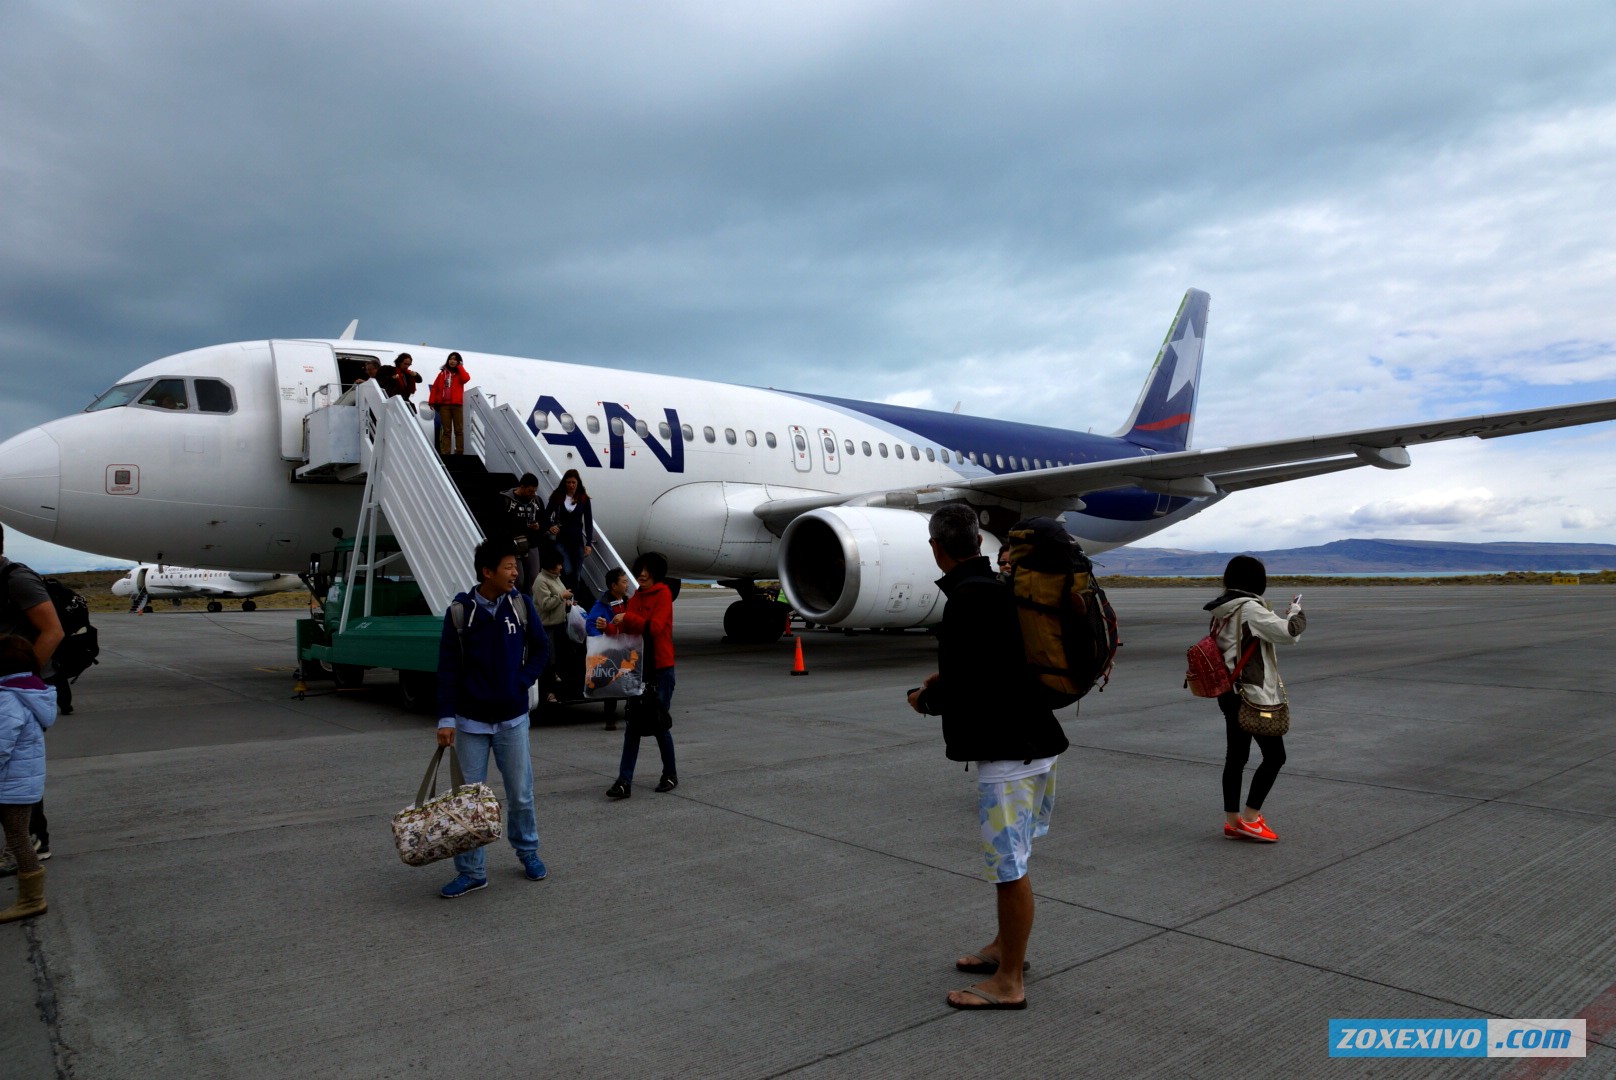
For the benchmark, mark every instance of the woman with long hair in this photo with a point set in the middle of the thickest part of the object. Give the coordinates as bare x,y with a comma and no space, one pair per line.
1247,630
572,524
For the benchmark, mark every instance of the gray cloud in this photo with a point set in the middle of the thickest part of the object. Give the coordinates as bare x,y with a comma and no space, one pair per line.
1397,209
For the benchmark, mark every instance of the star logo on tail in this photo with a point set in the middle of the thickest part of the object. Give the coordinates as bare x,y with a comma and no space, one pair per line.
1185,346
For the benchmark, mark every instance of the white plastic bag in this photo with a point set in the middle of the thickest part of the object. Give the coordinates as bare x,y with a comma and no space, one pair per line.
614,666
576,629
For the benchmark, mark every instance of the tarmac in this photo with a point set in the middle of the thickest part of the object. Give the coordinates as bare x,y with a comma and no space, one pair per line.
225,900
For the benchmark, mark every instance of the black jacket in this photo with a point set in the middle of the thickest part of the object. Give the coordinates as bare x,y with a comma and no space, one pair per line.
987,699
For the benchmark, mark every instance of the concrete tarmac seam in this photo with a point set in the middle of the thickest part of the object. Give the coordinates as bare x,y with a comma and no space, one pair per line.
1161,932
62,1055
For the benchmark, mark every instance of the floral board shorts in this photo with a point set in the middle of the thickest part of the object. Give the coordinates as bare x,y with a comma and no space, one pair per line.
1013,814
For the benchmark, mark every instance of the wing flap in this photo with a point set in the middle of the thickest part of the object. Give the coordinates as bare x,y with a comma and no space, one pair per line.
1232,468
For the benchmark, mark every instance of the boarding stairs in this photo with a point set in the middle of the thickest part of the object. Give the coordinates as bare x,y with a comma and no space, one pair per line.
502,442
436,510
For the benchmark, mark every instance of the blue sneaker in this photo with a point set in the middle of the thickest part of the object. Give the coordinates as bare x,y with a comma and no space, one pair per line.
534,866
461,885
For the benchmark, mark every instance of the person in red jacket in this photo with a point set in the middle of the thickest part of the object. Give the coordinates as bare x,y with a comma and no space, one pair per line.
447,398
649,613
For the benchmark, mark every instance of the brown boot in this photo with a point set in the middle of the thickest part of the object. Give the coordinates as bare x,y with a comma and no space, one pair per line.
30,897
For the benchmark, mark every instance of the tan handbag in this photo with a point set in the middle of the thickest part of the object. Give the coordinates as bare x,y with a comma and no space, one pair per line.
443,826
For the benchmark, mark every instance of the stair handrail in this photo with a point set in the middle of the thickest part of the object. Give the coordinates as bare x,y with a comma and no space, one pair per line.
506,445
406,483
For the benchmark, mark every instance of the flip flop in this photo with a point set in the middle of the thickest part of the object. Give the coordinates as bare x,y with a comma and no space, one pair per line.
988,1001
985,967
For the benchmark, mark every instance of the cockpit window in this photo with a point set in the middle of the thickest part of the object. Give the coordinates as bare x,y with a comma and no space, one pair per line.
118,396
166,394
213,396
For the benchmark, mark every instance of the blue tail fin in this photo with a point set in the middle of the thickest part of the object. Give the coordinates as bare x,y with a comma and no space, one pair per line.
1164,417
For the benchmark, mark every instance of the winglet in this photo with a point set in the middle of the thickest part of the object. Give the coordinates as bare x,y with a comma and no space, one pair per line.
347,335
1164,416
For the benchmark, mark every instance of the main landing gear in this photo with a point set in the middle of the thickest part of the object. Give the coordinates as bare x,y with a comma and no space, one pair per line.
757,618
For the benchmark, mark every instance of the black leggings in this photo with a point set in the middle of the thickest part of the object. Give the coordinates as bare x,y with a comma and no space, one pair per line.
1234,765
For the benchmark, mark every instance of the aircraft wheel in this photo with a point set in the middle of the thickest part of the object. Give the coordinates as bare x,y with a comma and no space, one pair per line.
214,607
148,609
755,621
248,605
347,676
419,689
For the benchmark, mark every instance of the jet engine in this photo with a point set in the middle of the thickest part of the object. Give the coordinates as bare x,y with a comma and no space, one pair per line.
861,566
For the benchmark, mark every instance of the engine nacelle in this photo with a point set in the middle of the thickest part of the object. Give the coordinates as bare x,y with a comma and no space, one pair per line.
861,566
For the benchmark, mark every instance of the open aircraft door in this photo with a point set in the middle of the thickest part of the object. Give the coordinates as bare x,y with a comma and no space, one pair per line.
301,369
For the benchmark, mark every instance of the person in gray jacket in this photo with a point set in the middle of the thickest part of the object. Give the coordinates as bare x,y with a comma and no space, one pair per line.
553,599
1244,621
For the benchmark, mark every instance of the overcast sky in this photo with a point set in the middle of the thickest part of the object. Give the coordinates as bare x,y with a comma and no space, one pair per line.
1401,211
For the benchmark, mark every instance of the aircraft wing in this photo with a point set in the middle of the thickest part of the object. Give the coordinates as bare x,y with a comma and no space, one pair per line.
1215,471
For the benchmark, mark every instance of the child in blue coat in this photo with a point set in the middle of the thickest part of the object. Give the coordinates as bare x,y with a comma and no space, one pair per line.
27,708
600,616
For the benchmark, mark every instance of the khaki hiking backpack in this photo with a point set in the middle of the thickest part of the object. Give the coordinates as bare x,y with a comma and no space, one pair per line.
1068,627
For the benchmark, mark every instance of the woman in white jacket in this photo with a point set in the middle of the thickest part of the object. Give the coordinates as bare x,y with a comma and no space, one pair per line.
1245,623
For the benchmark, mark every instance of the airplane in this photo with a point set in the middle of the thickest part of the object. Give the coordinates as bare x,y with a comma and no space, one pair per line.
179,582
195,458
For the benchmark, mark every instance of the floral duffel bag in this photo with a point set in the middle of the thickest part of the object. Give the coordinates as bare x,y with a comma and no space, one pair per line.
443,826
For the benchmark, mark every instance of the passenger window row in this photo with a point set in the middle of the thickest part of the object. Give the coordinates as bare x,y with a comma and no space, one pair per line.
710,434
569,424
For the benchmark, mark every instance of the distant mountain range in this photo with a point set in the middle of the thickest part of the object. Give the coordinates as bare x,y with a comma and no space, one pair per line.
1367,557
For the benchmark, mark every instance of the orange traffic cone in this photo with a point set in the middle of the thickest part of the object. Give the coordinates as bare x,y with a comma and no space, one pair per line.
797,667
788,632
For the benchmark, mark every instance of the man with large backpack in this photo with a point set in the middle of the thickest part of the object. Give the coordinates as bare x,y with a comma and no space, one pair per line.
994,713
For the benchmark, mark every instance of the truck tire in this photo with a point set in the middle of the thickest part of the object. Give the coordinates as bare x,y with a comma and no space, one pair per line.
419,690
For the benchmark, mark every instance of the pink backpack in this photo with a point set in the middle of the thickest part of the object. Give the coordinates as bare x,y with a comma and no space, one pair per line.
1208,675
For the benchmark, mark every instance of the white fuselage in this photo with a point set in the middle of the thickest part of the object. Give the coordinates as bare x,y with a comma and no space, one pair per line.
214,489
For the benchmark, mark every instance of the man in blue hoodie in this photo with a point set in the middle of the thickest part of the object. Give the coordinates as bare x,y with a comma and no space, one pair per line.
492,650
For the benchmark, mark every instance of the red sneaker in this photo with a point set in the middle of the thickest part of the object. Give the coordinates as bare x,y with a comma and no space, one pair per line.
1230,831
1256,830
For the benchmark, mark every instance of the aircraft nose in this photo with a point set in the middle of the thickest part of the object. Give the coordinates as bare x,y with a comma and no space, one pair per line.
31,483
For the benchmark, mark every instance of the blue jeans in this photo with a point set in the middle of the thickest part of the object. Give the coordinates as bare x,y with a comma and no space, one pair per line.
664,739
572,558
510,749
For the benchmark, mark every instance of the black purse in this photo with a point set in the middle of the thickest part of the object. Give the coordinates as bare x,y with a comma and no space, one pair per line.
646,713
